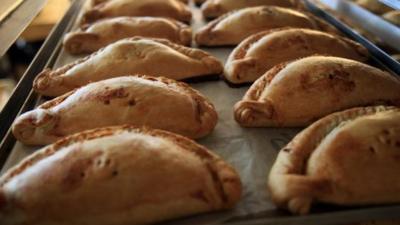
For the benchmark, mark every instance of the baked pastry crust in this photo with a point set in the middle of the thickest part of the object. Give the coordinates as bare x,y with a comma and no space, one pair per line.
260,52
233,27
297,93
216,8
117,175
137,100
174,9
104,32
154,57
347,158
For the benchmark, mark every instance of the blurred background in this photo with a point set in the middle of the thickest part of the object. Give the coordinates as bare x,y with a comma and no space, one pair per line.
18,57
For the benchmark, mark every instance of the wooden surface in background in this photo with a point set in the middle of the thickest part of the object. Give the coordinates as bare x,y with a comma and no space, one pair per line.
44,22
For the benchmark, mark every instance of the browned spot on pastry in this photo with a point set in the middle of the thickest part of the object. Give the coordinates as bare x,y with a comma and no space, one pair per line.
107,95
107,162
132,102
200,195
296,40
150,78
286,150
76,173
371,149
336,79
115,173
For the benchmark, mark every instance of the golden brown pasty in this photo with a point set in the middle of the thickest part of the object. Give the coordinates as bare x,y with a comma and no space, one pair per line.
234,27
216,8
115,176
297,93
137,100
347,158
155,57
174,9
393,17
107,31
260,52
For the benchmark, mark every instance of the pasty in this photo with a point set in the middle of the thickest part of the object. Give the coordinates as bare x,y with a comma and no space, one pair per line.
347,158
155,57
174,9
104,32
260,52
297,93
215,8
234,27
137,100
117,176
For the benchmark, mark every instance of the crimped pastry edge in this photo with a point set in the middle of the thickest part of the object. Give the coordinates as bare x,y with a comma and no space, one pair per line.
245,109
292,159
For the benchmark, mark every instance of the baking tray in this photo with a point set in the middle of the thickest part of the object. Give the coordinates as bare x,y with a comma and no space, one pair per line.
15,16
374,24
386,31
395,4
250,150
